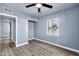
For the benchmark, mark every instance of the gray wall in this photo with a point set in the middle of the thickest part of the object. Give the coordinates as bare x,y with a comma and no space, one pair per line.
5,29
22,30
5,26
69,28
0,25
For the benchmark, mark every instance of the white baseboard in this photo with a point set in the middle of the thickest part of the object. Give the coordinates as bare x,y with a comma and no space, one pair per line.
67,48
22,44
31,38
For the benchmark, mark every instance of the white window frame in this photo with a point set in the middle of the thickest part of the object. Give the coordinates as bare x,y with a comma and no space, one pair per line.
58,27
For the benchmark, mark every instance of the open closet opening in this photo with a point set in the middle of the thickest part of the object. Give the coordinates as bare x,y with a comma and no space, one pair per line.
31,29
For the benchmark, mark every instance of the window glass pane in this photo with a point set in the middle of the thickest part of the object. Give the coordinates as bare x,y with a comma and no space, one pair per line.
53,27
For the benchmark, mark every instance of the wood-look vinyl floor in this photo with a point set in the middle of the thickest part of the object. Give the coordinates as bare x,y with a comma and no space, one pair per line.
34,48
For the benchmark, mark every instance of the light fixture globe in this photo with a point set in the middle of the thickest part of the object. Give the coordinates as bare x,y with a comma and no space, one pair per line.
38,5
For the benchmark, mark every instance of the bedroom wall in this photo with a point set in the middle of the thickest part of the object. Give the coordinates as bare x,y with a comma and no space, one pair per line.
22,25
69,28
5,26
0,25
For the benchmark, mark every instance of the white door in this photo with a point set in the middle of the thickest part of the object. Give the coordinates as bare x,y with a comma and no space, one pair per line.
5,29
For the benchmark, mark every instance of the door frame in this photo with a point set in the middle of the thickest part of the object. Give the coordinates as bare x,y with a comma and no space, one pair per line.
4,14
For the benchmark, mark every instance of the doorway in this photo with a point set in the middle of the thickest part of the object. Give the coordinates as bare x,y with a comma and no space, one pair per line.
31,29
7,30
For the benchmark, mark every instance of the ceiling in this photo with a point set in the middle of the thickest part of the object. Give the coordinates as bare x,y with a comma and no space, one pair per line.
33,11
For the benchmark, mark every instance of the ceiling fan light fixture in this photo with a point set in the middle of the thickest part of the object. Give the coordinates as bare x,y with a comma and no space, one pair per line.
38,5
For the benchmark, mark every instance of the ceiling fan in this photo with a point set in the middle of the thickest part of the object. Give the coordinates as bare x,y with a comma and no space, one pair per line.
39,5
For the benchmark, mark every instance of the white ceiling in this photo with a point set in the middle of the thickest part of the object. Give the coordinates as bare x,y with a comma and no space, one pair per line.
33,11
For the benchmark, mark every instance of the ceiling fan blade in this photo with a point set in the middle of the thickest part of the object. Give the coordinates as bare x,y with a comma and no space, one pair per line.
46,5
30,5
39,10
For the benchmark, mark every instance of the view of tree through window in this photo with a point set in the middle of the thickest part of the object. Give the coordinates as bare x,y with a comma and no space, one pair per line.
53,27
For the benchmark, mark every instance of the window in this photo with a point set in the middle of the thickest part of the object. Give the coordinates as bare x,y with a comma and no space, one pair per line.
53,27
